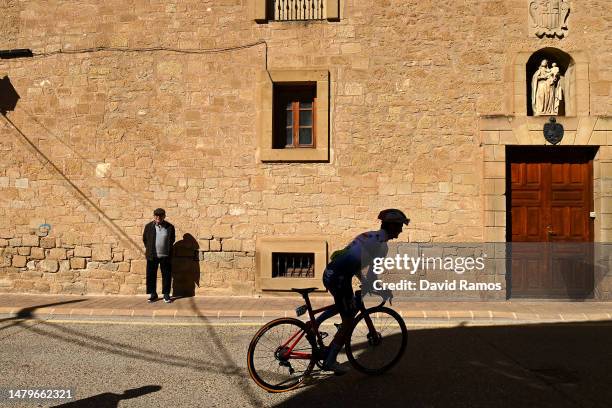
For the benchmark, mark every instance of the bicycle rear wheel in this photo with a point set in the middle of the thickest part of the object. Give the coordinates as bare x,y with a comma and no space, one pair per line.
375,349
280,355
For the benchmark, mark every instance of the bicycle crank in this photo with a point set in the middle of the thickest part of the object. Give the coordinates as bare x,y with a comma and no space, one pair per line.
288,365
374,339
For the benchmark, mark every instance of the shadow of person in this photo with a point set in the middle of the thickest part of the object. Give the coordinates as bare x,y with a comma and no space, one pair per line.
111,400
185,267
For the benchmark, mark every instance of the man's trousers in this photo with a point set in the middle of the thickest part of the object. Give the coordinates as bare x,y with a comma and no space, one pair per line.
166,273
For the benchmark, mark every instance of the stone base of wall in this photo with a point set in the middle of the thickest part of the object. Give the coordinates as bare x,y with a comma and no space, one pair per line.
46,264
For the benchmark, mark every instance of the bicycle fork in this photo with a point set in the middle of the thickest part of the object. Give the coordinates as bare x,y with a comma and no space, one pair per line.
373,336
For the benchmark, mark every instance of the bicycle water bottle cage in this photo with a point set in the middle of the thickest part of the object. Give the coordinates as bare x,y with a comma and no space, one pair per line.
301,310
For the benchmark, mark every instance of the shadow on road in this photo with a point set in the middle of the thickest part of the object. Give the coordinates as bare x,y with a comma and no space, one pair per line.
226,364
540,365
246,386
26,313
543,365
109,399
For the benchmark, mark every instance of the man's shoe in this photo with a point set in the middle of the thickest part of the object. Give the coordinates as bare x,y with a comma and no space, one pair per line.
152,298
167,299
336,368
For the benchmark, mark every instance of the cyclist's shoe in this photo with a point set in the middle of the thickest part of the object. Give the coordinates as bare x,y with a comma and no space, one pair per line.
336,368
167,298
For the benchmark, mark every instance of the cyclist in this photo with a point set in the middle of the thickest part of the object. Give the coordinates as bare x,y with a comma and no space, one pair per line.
349,262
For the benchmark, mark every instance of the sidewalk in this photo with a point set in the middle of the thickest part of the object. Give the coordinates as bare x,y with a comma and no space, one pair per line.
216,307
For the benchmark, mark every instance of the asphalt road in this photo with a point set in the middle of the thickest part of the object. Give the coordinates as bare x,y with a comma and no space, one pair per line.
147,364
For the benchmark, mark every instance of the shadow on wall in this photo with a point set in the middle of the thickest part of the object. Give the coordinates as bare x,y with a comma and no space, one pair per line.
111,400
185,266
8,96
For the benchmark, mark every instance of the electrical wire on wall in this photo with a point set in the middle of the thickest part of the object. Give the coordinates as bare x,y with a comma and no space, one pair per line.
150,49
6,54
8,100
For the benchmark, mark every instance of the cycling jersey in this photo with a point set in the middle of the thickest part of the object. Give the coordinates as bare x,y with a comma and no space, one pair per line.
349,262
359,253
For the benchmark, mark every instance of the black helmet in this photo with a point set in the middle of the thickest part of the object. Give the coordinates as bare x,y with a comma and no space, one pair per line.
393,215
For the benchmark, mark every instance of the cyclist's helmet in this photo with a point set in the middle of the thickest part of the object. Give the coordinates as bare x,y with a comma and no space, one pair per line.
393,215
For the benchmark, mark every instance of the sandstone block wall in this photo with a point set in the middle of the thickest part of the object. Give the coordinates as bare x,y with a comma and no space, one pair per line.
106,137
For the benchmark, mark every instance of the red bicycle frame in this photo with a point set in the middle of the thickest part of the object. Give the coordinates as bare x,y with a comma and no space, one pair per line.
300,333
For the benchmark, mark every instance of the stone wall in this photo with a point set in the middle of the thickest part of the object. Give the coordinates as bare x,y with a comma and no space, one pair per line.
47,264
108,136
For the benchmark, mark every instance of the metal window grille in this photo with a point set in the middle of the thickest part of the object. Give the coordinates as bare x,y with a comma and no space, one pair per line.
292,265
287,10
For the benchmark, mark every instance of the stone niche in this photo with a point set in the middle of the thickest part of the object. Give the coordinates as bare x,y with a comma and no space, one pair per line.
571,78
551,83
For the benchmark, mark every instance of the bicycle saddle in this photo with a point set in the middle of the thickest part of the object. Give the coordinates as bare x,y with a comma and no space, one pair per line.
303,291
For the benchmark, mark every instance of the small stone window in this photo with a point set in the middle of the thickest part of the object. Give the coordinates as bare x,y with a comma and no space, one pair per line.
293,116
290,262
295,10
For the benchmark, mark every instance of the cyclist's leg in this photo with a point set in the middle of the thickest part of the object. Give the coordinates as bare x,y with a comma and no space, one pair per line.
326,315
343,298
342,291
344,302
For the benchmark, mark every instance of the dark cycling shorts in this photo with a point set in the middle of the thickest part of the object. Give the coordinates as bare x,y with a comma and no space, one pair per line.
341,289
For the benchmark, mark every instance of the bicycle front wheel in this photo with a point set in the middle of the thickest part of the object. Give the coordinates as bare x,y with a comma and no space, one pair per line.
281,355
377,341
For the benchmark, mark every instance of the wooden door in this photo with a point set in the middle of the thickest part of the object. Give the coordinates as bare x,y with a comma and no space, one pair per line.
550,199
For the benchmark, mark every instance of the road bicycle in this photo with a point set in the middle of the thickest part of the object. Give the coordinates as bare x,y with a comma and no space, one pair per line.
284,352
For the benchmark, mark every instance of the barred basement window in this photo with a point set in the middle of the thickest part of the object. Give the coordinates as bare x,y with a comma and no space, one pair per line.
290,262
295,10
294,115
293,265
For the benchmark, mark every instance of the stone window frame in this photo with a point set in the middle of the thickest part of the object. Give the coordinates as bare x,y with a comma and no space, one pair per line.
263,258
261,14
320,153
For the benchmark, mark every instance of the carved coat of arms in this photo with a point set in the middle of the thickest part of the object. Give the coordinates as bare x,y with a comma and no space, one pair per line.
548,17
553,131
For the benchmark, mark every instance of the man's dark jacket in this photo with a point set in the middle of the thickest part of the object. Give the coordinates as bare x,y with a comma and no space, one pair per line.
148,237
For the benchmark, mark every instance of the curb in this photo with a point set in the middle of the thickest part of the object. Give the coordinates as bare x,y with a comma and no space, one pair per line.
408,315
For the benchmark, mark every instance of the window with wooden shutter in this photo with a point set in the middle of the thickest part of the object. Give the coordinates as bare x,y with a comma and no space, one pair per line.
294,116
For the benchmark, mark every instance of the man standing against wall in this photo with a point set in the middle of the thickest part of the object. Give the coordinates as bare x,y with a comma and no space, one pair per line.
158,238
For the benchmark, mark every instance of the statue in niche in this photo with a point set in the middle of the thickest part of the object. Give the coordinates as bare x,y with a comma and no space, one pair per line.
548,17
546,89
